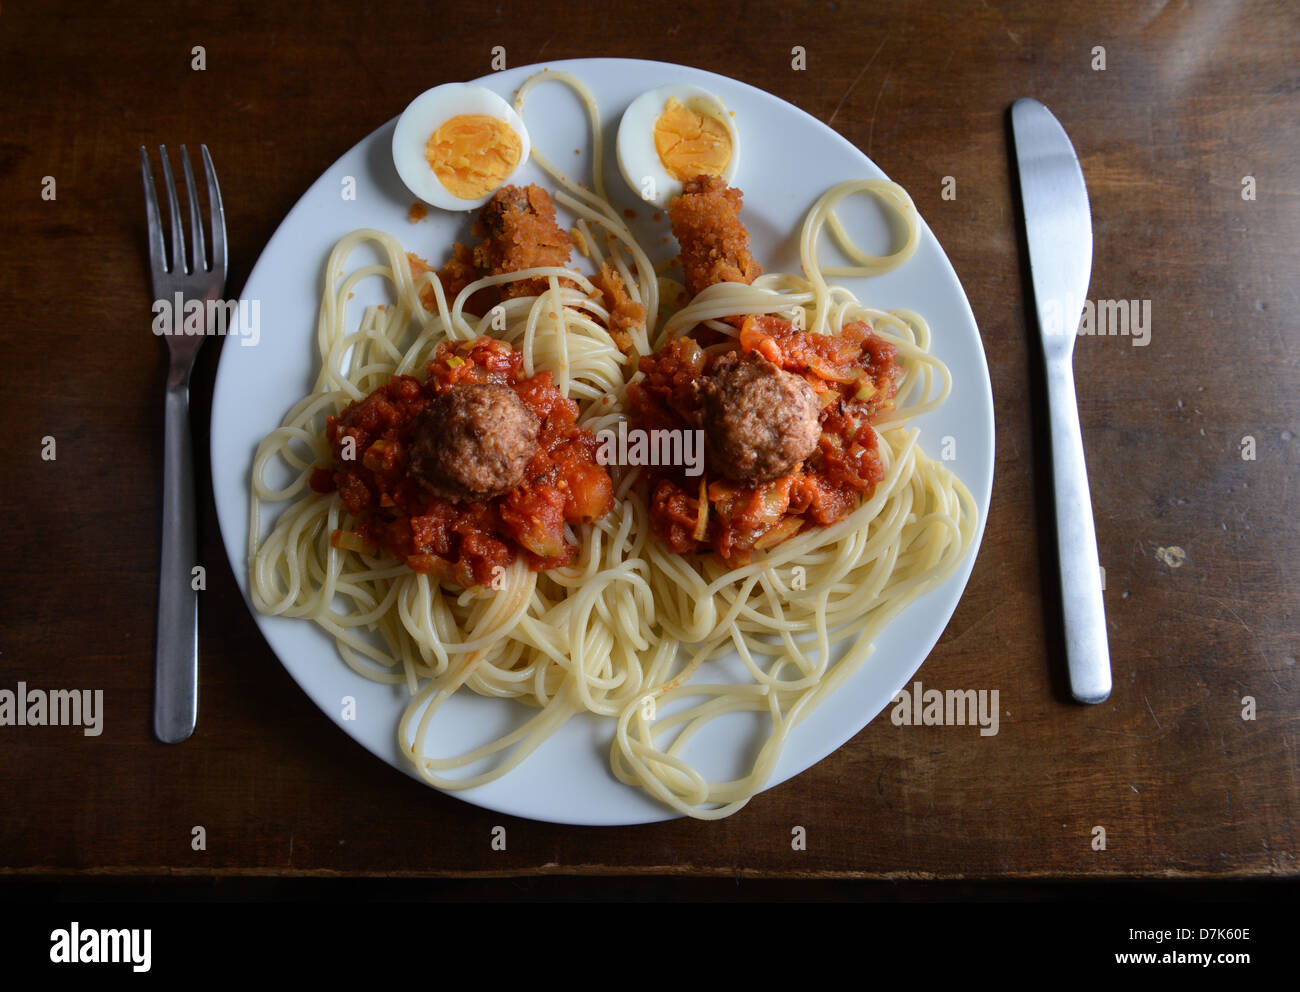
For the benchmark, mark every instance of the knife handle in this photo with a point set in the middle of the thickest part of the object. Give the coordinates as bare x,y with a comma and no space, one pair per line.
1086,649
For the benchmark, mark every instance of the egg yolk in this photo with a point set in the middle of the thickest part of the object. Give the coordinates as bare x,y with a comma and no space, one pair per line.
690,143
472,154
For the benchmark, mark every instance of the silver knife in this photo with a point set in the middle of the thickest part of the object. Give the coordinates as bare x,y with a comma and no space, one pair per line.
1058,227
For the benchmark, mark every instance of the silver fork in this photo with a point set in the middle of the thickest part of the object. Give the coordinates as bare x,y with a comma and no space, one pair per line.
203,278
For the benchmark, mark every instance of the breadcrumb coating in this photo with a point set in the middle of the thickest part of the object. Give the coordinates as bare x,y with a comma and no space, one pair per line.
714,242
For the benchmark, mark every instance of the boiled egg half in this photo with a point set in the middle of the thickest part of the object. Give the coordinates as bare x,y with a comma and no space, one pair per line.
457,144
672,134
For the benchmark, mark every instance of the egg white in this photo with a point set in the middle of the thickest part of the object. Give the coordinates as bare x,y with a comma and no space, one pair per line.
429,111
638,159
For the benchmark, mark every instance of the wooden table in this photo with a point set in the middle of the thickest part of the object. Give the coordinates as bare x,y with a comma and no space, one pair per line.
1188,140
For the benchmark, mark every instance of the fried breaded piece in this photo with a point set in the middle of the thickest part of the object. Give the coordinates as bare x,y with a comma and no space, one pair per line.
519,231
626,316
458,273
715,244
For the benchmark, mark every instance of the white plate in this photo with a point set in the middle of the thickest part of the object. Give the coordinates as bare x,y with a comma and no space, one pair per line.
788,160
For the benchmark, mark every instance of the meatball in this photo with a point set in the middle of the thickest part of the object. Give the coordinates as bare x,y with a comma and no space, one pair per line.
473,442
760,420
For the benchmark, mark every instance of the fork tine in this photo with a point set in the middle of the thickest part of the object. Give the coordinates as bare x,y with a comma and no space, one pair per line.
178,232
218,216
198,259
157,251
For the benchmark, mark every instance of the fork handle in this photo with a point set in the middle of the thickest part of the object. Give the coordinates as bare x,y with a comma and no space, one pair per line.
1086,649
176,664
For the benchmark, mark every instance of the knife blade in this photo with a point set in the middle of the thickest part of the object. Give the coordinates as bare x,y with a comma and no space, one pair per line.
1058,229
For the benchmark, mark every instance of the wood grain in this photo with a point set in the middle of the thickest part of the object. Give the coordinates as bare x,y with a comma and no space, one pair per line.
1193,99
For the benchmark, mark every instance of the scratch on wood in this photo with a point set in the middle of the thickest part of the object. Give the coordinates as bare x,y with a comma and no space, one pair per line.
1151,711
1235,614
872,133
1121,733
853,85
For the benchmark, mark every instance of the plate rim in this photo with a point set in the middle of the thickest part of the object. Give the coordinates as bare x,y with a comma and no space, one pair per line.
239,566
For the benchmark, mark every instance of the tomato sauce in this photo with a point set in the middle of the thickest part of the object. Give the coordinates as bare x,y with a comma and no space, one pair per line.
856,375
463,542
